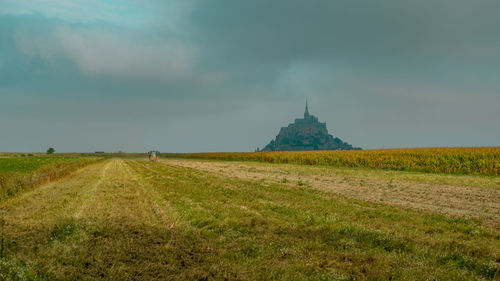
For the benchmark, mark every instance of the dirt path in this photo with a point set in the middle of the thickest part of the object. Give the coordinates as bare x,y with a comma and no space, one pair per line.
455,195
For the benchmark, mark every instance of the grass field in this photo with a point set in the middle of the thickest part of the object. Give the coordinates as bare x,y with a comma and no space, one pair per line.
29,164
18,174
124,219
482,160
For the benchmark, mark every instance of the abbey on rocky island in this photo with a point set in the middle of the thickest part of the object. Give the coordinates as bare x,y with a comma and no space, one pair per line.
306,134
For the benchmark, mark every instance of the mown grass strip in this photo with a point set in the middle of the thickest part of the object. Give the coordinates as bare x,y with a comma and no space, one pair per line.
283,232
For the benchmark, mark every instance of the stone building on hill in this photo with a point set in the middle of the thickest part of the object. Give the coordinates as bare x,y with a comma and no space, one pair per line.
306,134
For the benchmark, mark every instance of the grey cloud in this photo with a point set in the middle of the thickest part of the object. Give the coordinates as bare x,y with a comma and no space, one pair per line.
295,29
225,75
51,57
257,43
104,52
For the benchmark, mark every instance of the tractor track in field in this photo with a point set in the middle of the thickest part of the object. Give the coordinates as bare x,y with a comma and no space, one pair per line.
89,196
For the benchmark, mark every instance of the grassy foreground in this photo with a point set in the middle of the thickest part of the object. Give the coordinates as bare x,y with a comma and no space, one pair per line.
482,160
125,220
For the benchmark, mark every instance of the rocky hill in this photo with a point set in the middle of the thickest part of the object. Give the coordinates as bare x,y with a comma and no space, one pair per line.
306,134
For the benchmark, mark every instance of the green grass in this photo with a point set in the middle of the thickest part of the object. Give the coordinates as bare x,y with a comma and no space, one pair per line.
283,232
20,174
126,220
17,270
29,164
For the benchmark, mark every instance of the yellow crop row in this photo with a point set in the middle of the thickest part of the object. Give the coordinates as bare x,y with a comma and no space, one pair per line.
480,160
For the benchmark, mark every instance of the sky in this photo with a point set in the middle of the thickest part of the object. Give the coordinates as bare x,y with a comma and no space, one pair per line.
225,75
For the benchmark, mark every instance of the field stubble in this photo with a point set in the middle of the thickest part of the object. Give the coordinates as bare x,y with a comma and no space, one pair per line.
123,220
460,195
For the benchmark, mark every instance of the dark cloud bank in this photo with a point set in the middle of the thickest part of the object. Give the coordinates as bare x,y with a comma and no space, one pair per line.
229,74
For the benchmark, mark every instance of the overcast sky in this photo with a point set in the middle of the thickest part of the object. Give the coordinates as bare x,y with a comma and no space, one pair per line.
225,75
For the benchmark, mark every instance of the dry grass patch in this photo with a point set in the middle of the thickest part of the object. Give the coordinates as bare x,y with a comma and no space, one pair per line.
470,196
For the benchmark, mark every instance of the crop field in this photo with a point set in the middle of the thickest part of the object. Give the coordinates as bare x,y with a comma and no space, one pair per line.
484,160
205,219
21,173
30,164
